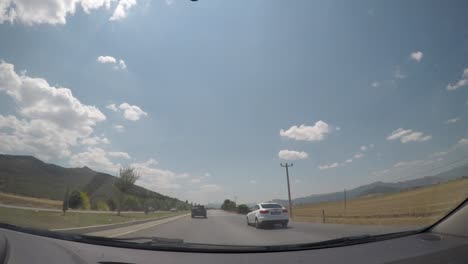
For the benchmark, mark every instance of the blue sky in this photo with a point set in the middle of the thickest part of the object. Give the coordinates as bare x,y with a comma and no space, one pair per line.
206,99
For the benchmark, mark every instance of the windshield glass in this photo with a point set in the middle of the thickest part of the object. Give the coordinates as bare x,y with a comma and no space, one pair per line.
268,206
126,115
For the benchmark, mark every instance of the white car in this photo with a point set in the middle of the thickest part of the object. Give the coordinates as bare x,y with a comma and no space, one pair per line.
268,214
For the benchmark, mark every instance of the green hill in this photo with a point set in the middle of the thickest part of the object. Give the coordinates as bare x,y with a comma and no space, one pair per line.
29,176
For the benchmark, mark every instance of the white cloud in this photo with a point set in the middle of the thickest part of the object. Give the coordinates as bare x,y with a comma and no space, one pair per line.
452,120
119,128
31,12
328,166
292,155
121,65
169,2
91,141
52,119
158,179
308,133
196,180
210,188
348,161
112,107
462,82
408,135
122,8
253,182
358,155
398,133
402,164
363,148
118,64
119,154
416,56
297,181
375,84
106,59
132,112
462,142
439,154
96,159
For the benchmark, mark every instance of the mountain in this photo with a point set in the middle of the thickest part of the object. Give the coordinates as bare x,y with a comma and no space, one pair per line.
382,187
29,176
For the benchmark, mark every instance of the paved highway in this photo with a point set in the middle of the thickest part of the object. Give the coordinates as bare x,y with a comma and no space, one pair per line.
231,229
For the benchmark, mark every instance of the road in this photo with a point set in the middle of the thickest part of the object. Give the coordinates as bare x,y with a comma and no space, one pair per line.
231,229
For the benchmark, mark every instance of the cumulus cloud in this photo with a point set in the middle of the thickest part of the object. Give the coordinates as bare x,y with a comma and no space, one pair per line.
358,155
375,84
132,112
119,154
158,179
462,82
31,12
452,120
96,159
52,119
408,135
117,64
328,166
122,8
119,128
317,132
91,141
112,107
416,56
292,155
210,188
462,142
253,181
106,59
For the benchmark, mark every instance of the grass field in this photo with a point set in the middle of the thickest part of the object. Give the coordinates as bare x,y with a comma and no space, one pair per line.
421,206
18,200
55,220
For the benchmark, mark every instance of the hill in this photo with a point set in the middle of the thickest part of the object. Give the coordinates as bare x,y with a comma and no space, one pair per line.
29,176
382,187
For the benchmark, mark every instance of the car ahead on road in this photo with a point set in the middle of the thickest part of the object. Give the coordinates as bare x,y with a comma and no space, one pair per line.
264,214
199,210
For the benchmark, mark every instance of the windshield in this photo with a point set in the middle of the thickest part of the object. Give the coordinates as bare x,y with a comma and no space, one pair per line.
124,116
268,206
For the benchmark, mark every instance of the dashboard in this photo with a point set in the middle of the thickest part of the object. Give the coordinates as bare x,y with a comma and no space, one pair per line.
446,242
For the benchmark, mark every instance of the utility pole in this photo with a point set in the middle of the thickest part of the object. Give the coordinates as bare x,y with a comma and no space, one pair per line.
286,165
344,192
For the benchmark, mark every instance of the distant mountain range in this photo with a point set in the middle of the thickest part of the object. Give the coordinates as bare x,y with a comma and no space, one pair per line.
381,187
29,176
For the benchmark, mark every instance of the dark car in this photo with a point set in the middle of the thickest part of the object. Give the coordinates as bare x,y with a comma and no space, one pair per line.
199,210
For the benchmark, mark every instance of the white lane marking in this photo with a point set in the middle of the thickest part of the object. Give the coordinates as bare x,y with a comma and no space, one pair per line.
153,225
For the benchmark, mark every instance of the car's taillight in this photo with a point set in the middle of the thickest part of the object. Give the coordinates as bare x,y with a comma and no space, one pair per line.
285,210
264,211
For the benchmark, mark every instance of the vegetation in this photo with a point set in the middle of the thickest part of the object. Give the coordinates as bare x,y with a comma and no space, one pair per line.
27,181
127,178
85,204
65,201
75,201
420,206
243,209
229,206
55,220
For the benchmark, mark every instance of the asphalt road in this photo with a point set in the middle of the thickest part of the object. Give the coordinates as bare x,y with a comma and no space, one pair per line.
231,229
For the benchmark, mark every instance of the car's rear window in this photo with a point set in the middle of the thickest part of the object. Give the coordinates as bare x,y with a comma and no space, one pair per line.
271,206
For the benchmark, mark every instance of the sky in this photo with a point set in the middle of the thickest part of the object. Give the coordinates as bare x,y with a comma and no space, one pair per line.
206,99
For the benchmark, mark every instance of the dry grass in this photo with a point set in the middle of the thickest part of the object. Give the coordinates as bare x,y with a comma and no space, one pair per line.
421,206
13,199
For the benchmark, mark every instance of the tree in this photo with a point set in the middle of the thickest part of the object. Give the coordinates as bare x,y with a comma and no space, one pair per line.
127,178
243,209
229,205
65,201
75,201
85,204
